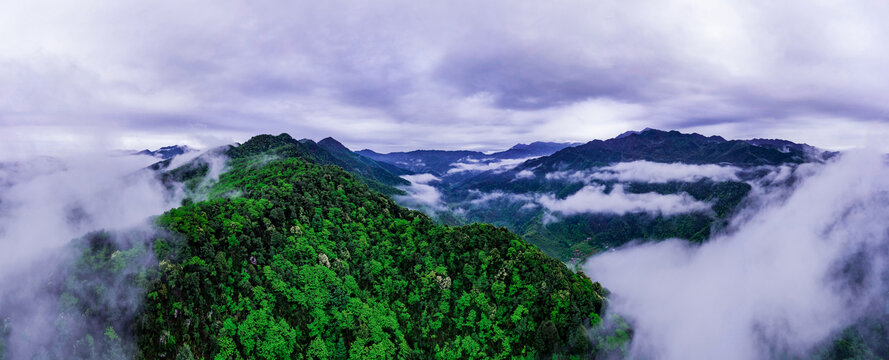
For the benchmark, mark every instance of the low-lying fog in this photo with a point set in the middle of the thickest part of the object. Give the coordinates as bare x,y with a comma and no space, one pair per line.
794,271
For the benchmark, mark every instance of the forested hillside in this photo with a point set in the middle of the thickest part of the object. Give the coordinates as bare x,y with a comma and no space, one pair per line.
290,259
307,260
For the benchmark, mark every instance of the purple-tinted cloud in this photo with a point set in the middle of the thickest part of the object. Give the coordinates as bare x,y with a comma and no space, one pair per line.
398,75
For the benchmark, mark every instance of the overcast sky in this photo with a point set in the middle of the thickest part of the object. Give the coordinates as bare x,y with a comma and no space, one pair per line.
401,75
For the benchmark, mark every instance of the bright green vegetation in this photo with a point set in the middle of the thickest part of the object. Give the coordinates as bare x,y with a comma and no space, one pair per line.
289,259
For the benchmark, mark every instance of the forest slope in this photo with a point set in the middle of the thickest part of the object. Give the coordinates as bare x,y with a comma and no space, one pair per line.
292,259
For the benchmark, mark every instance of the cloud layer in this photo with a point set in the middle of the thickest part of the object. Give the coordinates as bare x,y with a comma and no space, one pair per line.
46,206
421,194
649,172
439,75
45,203
653,172
486,165
595,199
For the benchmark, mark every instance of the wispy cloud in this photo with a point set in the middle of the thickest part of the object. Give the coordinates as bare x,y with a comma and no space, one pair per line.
653,172
481,198
524,174
650,172
421,194
595,199
44,211
486,165
44,205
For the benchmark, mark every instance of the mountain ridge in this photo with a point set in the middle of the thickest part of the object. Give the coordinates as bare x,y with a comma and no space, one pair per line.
439,162
167,152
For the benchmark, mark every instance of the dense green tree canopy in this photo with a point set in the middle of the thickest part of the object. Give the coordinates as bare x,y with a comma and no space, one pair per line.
294,260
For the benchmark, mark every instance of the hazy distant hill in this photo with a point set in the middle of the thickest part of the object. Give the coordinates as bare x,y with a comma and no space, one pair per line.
167,152
439,162
672,146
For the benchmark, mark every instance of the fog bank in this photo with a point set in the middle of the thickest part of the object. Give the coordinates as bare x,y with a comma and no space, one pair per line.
50,298
794,272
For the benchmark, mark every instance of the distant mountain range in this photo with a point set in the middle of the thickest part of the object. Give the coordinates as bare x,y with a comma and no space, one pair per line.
439,162
673,146
531,196
167,152
662,147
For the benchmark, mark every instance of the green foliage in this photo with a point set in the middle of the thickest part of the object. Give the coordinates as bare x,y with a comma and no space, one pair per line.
308,262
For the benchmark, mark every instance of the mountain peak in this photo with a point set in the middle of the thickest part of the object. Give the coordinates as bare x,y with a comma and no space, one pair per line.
634,132
657,133
330,144
367,152
537,148
166,152
259,144
537,144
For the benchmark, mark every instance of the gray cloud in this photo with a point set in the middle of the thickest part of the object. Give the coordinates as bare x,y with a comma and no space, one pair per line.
439,75
534,78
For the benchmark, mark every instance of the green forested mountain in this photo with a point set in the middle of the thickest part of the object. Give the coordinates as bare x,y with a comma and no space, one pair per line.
655,146
378,176
307,261
668,146
287,258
